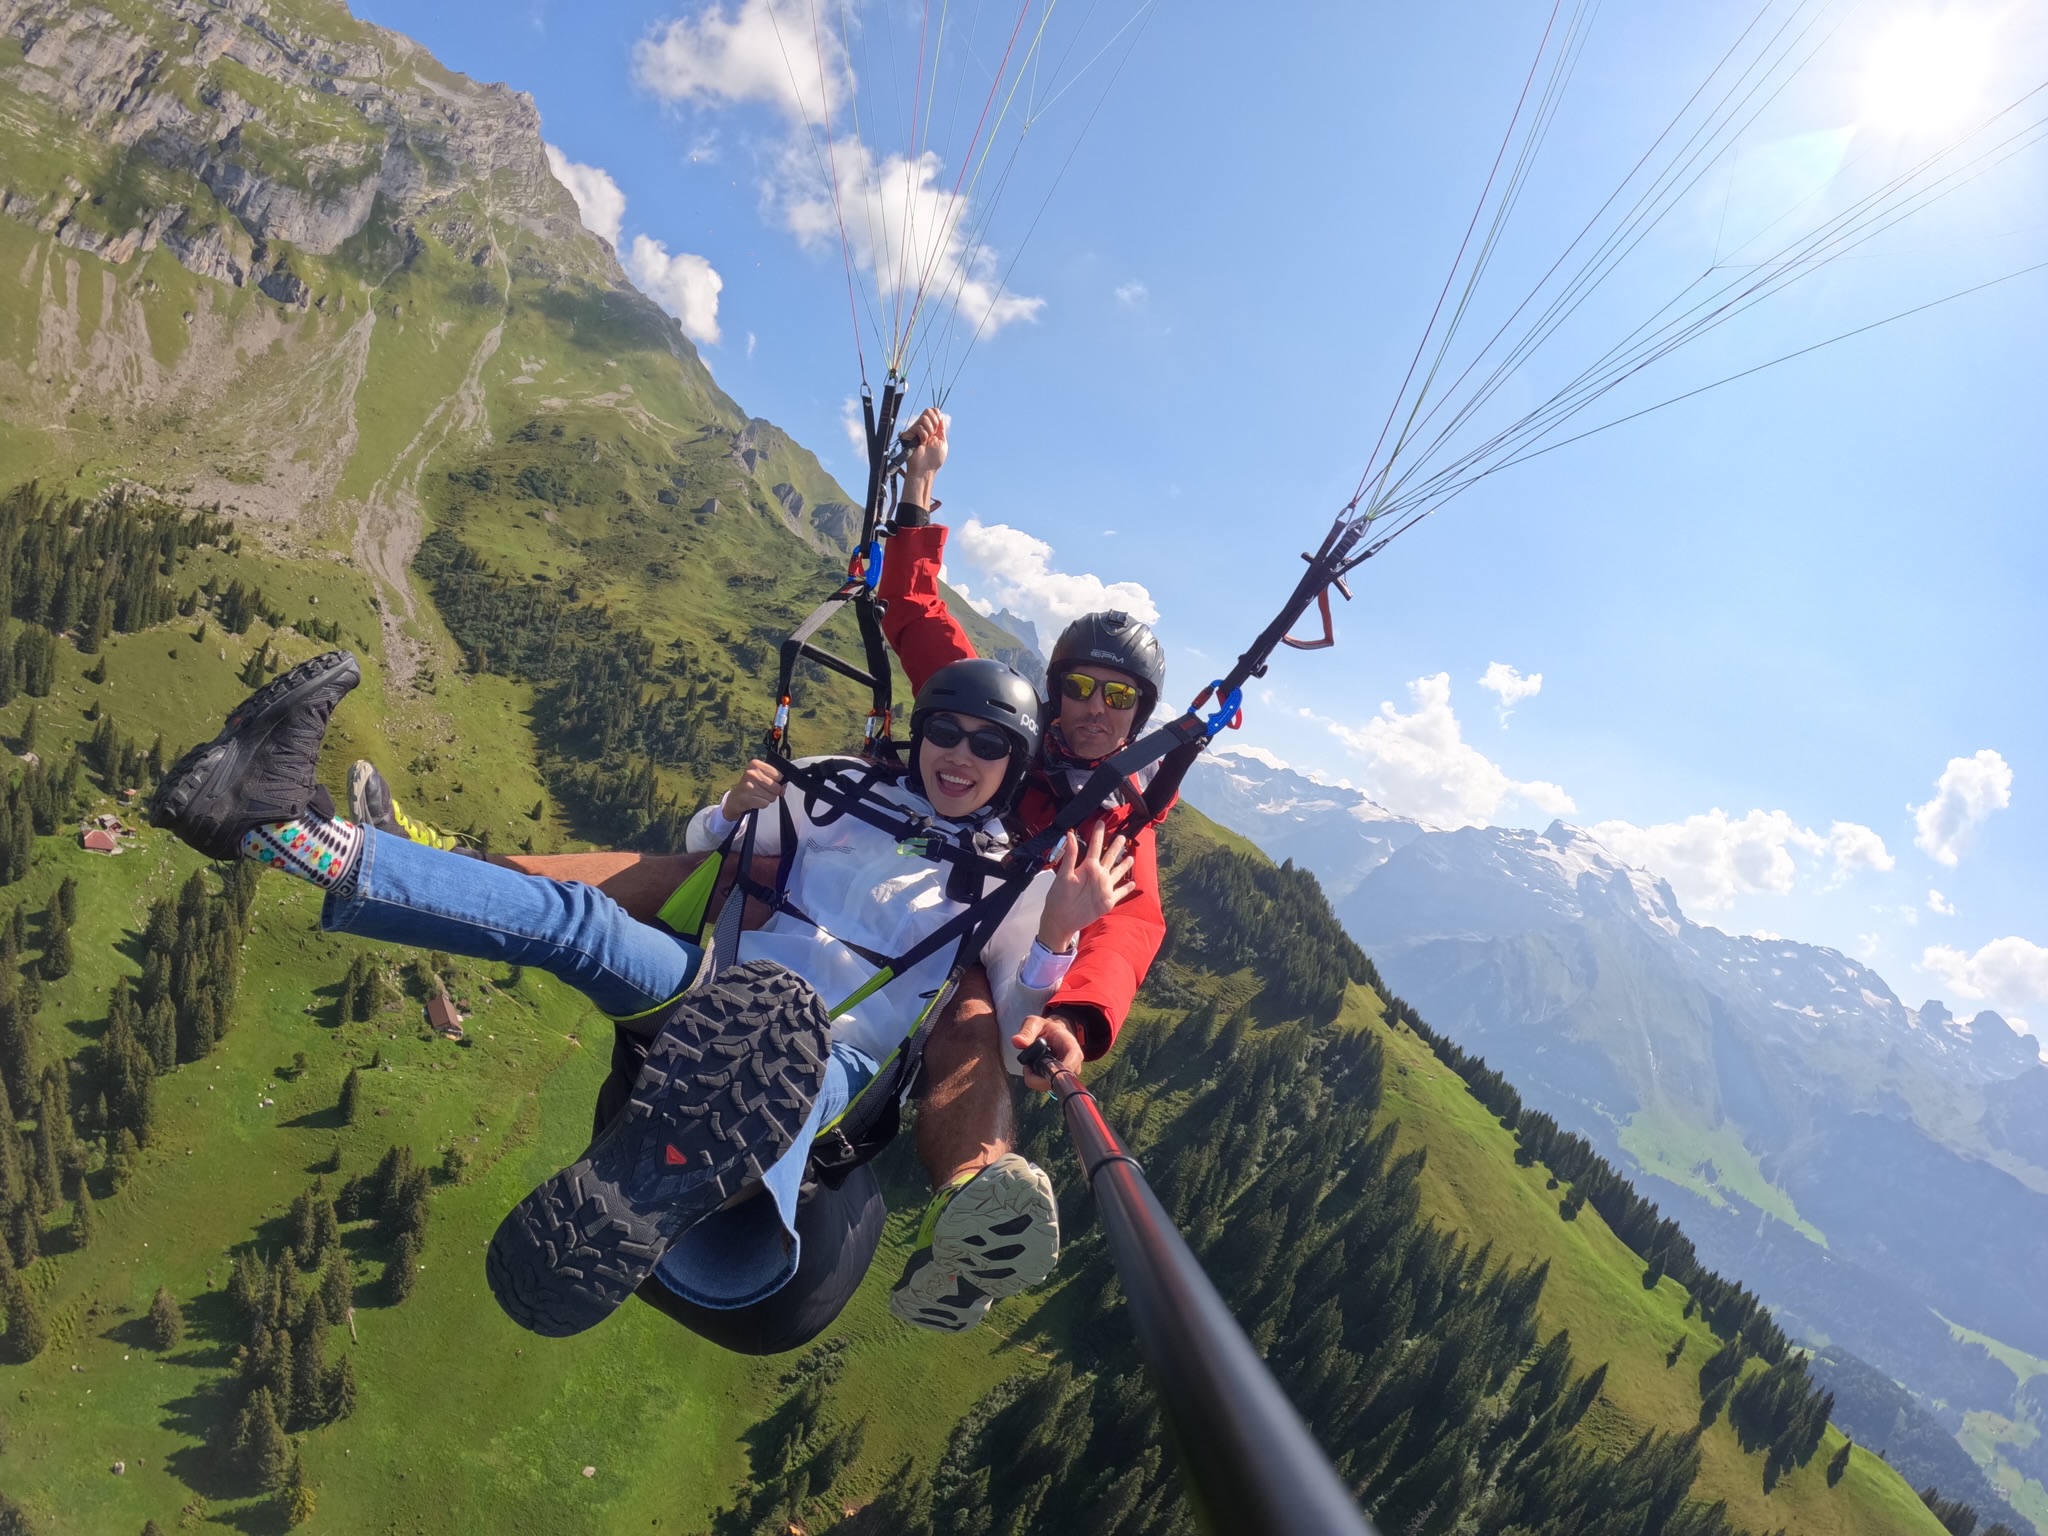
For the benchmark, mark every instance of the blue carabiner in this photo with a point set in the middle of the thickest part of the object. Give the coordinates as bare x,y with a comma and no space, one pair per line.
1229,712
873,574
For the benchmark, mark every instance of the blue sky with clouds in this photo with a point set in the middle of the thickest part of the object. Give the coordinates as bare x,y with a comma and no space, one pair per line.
1770,621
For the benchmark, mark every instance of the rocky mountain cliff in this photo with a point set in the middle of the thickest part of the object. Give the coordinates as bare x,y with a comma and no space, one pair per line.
324,270
1875,1169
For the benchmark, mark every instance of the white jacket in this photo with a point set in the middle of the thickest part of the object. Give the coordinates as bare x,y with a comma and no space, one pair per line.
855,880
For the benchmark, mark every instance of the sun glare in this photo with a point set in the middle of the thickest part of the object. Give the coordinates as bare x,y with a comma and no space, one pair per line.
1927,72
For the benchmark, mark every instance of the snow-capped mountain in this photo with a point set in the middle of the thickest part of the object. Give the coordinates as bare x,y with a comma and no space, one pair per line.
1877,1171
1330,828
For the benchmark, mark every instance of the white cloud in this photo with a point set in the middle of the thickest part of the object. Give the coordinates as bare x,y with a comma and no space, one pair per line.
685,285
2009,970
900,216
750,343
1256,754
904,226
1711,859
1940,905
1969,789
599,202
765,51
1131,295
1422,766
1510,685
1014,571
854,421
1857,848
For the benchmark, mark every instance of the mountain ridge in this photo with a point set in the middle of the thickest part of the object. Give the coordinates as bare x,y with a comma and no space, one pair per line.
1865,1164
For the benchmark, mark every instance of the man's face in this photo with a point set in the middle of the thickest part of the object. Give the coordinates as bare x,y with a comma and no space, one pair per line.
1091,727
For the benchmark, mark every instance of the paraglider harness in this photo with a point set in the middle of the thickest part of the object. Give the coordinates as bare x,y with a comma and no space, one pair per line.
843,787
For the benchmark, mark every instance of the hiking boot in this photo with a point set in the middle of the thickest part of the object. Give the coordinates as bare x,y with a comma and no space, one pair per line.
728,1084
982,1239
371,802
261,766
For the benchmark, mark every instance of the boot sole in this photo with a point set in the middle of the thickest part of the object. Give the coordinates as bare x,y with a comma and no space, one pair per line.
197,783
728,1083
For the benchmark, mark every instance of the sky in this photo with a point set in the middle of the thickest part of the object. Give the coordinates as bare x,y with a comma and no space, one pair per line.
1780,642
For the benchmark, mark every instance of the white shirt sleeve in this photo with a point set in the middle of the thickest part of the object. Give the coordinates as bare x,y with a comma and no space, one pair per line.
1044,968
707,828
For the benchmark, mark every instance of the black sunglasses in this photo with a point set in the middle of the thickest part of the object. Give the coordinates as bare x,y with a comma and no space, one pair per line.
1080,687
990,745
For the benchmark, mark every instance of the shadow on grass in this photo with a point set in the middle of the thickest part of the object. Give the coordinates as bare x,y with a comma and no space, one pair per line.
134,1334
328,1119
207,1415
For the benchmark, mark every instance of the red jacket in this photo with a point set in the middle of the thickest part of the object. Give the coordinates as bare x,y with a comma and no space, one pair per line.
1117,949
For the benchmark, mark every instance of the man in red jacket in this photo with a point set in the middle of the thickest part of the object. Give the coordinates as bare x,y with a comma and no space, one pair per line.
1103,677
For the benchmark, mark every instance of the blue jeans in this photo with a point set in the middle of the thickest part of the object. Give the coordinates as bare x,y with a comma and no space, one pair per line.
406,893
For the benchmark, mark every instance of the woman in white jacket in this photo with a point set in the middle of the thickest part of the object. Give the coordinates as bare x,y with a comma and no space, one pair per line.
852,896
739,1072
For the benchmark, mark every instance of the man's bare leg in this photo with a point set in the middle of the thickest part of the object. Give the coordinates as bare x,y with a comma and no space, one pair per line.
964,1117
639,882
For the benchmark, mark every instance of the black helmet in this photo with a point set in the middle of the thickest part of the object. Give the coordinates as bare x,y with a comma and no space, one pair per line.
1114,639
989,691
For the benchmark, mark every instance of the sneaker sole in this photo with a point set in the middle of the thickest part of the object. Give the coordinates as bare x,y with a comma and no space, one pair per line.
930,1297
728,1084
194,786
1001,1232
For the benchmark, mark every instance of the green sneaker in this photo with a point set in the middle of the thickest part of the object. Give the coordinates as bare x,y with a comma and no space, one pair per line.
984,1237
371,802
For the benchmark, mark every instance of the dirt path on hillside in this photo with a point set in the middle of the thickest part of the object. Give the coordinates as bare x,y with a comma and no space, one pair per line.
392,524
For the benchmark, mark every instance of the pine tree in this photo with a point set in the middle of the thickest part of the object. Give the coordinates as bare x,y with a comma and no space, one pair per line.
249,1288
56,960
29,722
166,1320
309,1377
151,1528
66,904
122,1160
338,1287
265,1450
84,1225
297,1496
304,1236
351,1096
326,1225
341,1388
25,1235
28,1331
13,1177
402,1272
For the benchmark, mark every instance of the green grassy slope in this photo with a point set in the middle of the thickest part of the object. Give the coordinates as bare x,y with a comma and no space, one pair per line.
1472,1185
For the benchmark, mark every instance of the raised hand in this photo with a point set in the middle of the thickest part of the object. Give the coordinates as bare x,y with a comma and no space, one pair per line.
760,786
929,456
1085,886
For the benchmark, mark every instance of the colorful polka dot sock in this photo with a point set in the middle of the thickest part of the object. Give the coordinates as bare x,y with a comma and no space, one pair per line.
316,848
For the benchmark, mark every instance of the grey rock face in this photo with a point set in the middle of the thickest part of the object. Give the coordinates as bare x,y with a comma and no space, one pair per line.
340,126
